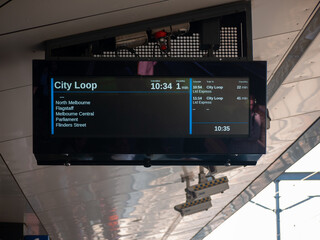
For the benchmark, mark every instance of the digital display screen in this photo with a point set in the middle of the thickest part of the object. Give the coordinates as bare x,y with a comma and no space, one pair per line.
148,106
168,111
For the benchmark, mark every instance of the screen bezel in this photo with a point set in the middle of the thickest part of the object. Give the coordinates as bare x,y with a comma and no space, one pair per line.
48,149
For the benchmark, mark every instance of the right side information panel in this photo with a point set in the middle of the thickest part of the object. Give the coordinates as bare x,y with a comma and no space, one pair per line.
219,106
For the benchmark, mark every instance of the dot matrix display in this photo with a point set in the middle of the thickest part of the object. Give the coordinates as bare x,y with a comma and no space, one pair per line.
185,47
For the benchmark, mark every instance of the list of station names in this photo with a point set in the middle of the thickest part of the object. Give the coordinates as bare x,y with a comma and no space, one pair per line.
69,113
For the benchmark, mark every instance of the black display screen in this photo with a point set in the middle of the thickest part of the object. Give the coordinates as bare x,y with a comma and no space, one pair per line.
165,110
149,106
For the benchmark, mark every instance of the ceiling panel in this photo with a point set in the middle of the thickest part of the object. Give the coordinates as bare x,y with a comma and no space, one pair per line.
81,175
46,179
183,235
16,118
309,64
14,206
19,149
272,49
129,202
295,99
289,129
275,17
127,193
50,12
10,193
91,215
186,222
16,68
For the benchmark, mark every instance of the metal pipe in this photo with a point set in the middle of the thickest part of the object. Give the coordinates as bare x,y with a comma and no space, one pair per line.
277,210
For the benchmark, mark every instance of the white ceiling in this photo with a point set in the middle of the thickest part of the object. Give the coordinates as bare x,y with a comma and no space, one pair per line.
135,202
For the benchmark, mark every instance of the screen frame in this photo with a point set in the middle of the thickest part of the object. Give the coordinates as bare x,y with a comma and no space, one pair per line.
46,152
